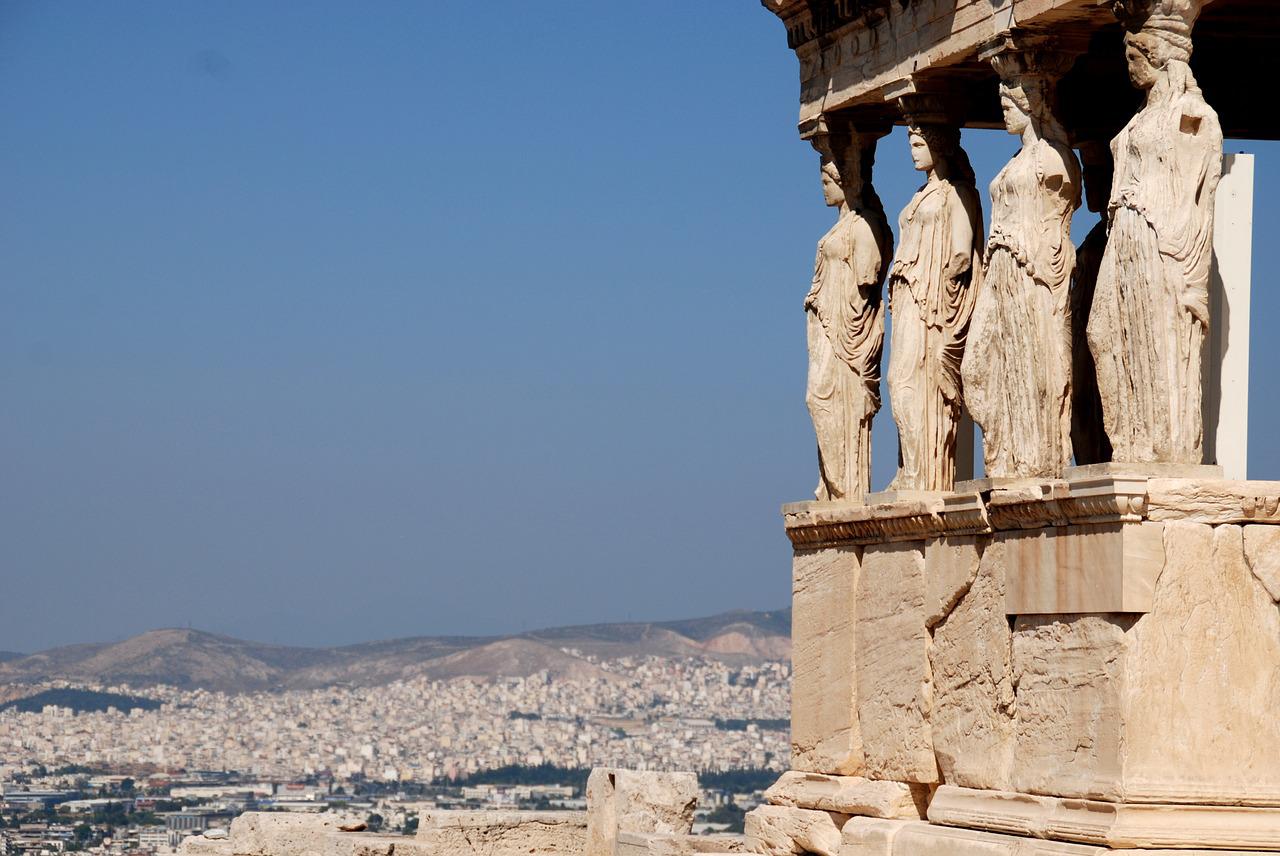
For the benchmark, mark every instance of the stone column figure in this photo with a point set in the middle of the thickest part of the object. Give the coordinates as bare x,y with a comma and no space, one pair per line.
845,320
1151,305
1089,443
931,288
1017,371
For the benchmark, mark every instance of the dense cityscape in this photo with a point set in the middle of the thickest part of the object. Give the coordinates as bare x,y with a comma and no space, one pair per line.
116,782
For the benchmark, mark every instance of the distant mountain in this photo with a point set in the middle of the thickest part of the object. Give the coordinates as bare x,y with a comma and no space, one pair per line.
79,700
193,658
10,655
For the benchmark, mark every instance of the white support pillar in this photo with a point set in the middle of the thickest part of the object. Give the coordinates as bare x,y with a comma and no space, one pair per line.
1226,364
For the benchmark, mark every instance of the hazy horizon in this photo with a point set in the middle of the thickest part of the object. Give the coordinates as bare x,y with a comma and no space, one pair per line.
162,629
335,323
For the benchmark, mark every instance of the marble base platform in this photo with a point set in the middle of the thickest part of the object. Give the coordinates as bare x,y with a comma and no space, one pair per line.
1108,641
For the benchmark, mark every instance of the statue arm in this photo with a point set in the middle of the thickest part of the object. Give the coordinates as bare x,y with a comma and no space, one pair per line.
1053,254
1188,238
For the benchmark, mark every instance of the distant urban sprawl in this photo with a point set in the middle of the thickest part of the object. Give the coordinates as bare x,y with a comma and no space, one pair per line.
116,782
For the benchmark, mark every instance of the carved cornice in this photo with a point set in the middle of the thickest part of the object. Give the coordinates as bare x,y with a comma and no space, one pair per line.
810,20
1051,503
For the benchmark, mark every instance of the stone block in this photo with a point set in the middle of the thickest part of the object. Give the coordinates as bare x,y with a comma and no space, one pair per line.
894,686
1212,501
950,567
782,831
198,845
1076,569
501,833
659,844
1262,552
851,795
866,836
1068,670
1108,824
973,702
825,737
1202,686
261,833
1174,706
637,801
923,839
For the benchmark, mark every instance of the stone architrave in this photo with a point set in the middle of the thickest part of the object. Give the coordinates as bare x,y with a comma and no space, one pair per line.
932,283
1017,369
1151,305
844,313
1089,443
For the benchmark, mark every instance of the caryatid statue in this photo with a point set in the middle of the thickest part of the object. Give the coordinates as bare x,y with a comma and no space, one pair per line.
932,281
1017,370
1151,304
843,308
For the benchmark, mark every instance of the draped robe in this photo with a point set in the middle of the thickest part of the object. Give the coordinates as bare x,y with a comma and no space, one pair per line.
1151,304
846,337
1017,373
931,286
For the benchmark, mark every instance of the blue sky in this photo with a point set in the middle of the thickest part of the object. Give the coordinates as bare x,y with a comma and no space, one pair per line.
329,322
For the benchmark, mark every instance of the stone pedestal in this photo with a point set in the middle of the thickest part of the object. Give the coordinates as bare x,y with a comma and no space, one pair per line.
1093,661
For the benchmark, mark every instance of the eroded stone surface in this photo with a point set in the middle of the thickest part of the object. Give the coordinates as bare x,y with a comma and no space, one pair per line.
260,833
852,795
1213,500
1068,671
865,836
894,685
950,566
1117,825
825,736
782,831
972,719
1203,678
657,844
501,833
1262,552
637,801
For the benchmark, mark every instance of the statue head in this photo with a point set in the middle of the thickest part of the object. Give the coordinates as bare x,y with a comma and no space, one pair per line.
1027,80
936,149
1168,22
833,191
1147,56
848,153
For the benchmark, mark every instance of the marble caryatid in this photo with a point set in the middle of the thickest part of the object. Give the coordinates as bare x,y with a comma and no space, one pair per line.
1017,369
932,281
1151,304
1089,443
845,318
